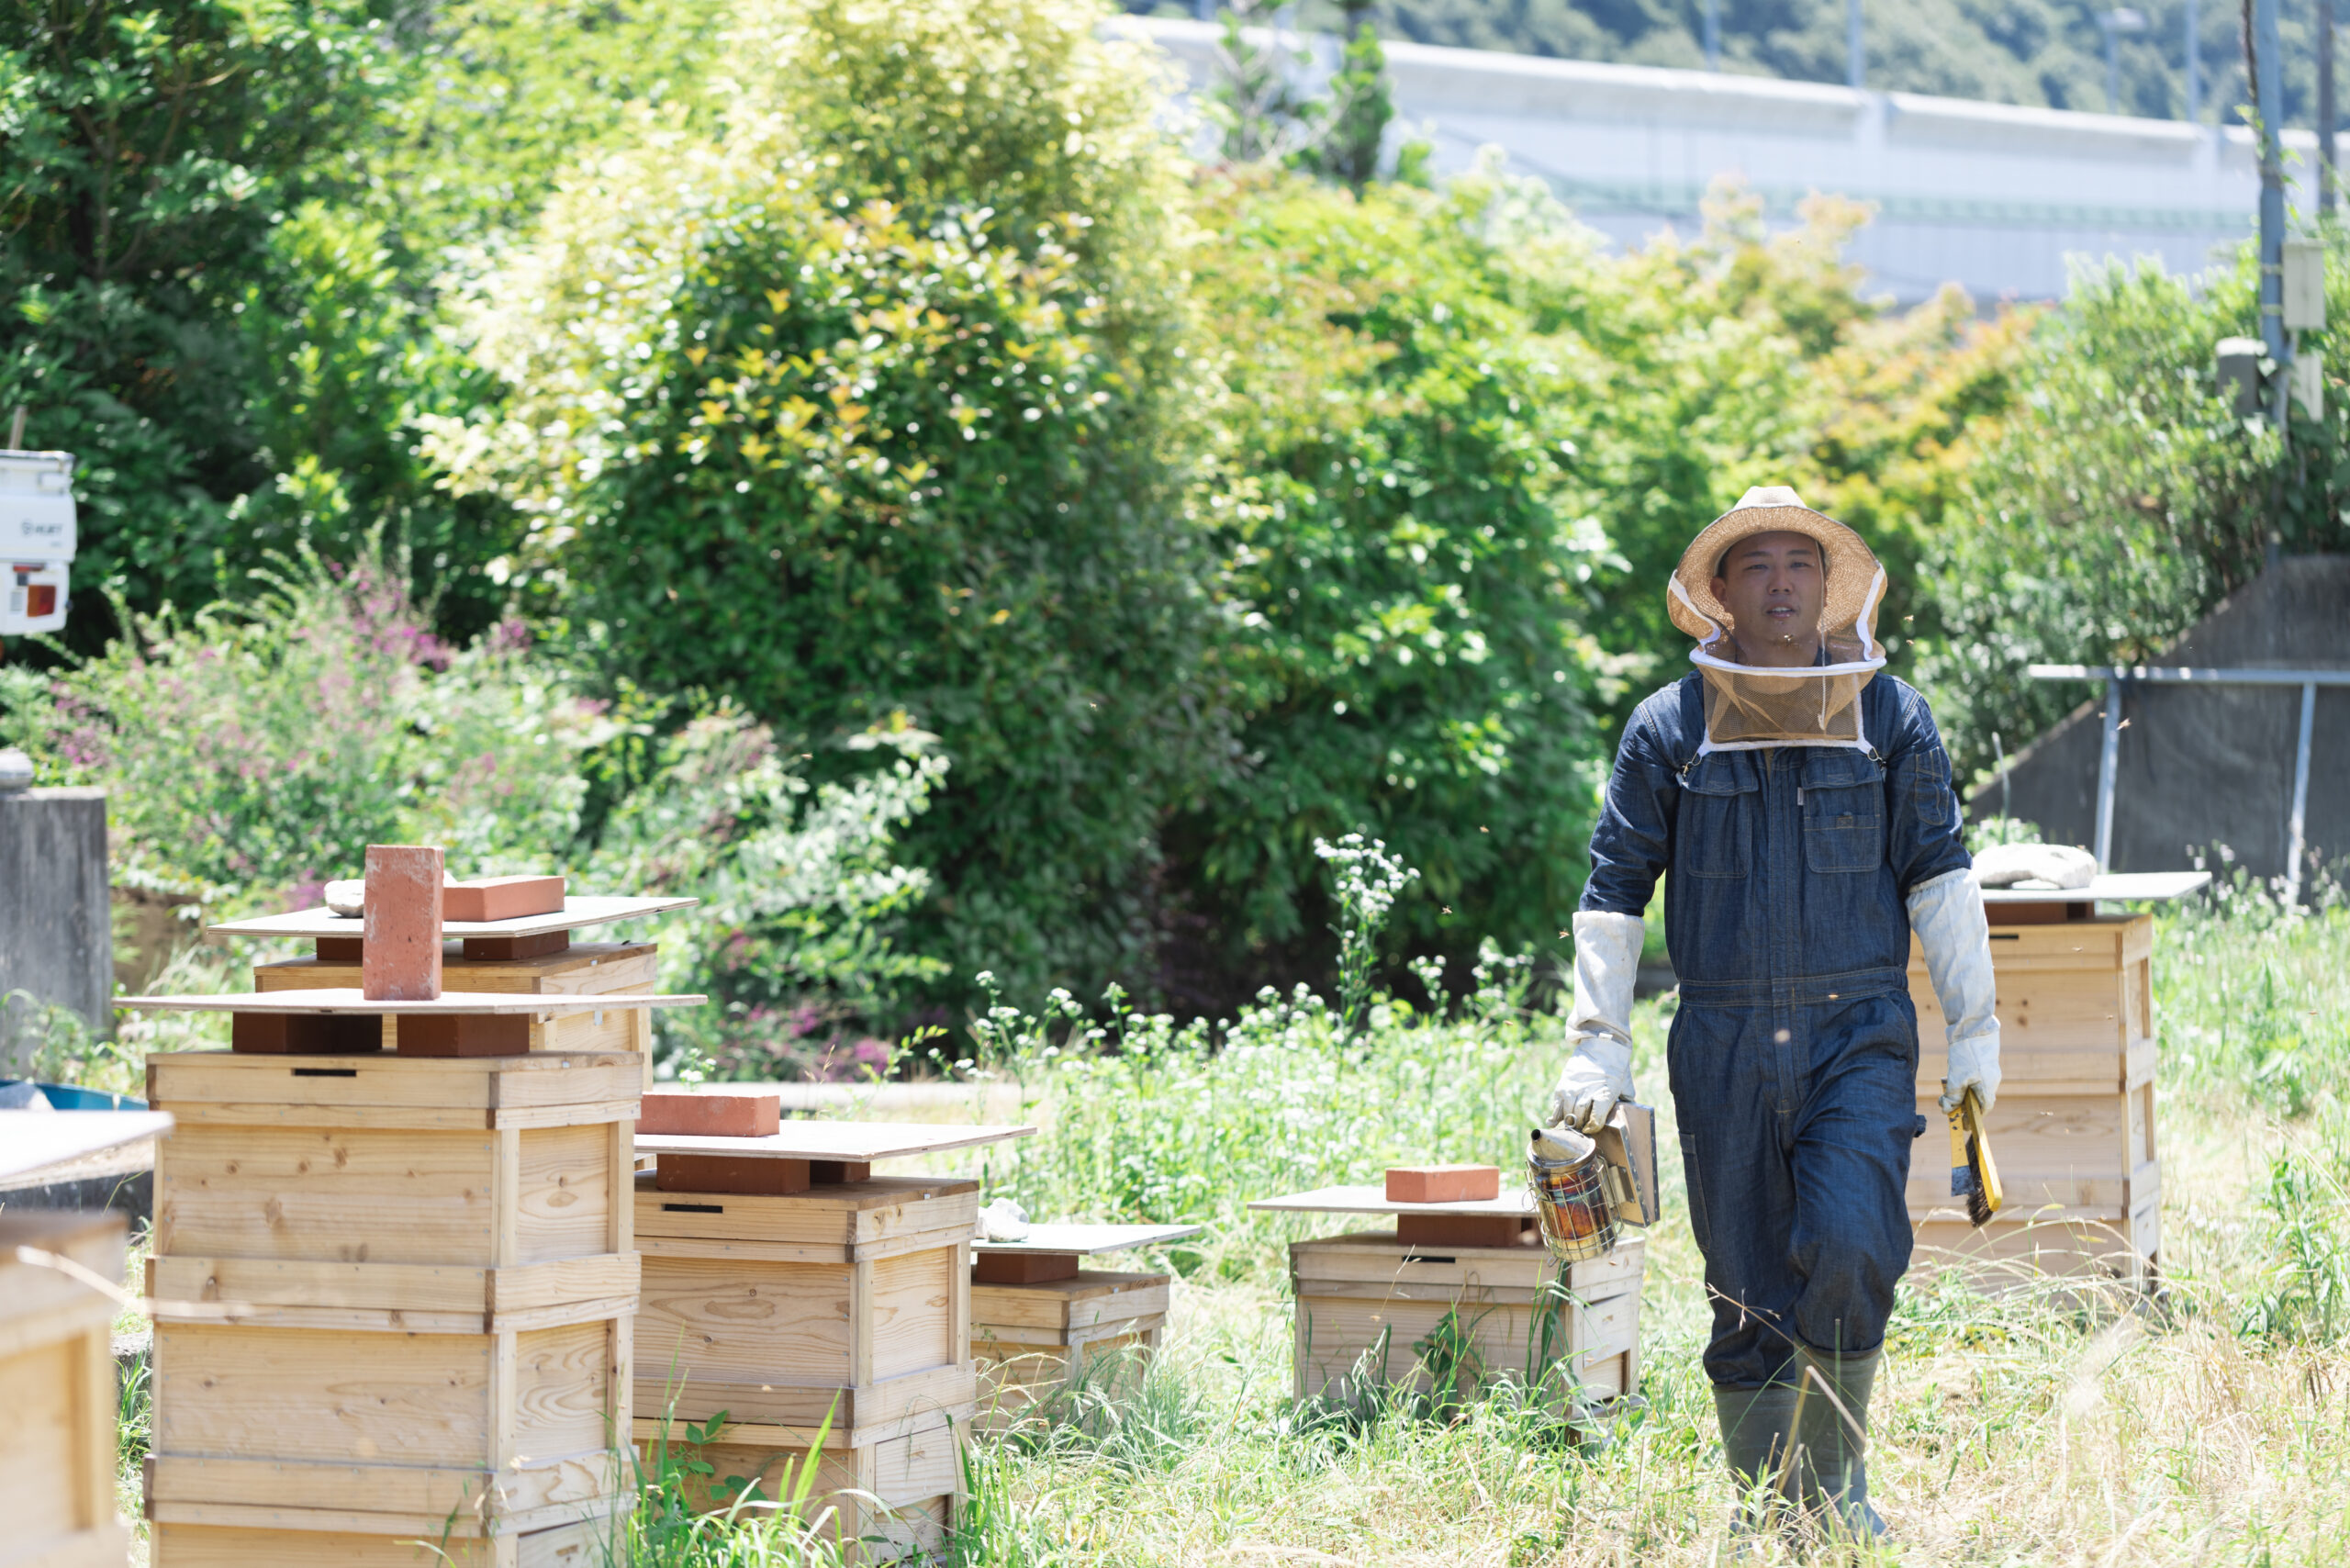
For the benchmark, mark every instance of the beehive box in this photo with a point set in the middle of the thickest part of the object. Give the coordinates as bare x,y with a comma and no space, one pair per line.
586,1544
434,1283
1043,1322
598,968
2073,1130
882,1493
1032,1341
1367,1302
847,1303
56,1393
2076,1007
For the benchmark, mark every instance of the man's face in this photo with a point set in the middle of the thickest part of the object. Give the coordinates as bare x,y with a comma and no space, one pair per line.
1772,585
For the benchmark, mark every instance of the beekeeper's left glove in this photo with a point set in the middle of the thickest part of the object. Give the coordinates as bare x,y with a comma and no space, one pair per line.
1947,916
1599,1073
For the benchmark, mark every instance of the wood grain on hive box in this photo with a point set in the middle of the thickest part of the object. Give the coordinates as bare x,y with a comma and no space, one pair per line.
1036,1332
851,1300
2075,1005
587,1543
892,1493
57,1392
389,1192
601,969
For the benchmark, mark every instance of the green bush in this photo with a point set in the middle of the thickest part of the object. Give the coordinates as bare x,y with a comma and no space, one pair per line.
2123,499
1405,556
252,755
875,406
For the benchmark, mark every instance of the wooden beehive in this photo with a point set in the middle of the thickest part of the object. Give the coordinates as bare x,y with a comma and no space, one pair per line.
587,1543
1043,1324
597,968
846,1302
56,1393
435,1280
2073,1126
1373,1308
881,1493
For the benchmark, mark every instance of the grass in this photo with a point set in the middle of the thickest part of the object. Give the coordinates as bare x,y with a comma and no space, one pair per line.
2210,1425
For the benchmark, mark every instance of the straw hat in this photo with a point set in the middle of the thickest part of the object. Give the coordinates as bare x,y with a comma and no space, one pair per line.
1855,581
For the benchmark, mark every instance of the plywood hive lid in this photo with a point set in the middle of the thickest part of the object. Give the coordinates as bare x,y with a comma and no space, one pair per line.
575,913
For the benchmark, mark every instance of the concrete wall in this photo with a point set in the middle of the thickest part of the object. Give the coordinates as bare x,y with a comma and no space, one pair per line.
56,938
1993,197
2207,766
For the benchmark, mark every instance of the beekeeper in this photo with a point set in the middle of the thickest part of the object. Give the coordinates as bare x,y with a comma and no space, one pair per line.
1802,802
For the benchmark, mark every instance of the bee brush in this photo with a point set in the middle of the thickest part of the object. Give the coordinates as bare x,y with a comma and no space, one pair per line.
1974,1174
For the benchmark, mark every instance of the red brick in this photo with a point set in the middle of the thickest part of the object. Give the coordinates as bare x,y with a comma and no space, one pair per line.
402,958
1464,1230
1021,1268
463,1034
1443,1183
305,1034
502,898
741,1173
711,1115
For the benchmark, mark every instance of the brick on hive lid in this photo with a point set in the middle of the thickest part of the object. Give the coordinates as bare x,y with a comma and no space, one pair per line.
1443,1183
502,898
400,961
711,1115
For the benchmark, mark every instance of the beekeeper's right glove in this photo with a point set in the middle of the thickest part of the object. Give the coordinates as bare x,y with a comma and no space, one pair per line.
1599,1073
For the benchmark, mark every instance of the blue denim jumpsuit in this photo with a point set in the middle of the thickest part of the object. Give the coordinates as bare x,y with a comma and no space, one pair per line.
1793,1057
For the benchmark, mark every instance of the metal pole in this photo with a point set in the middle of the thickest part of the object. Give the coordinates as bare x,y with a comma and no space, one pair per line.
2295,824
1855,61
2194,69
2325,108
1713,34
2109,764
2268,97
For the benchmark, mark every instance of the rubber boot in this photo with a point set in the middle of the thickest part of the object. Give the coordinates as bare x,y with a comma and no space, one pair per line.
1832,1435
1758,1424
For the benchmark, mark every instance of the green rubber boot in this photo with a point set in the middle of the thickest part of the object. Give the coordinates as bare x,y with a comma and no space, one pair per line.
1758,1424
1831,1425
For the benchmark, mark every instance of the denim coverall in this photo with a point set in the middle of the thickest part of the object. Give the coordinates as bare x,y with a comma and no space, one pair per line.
1794,1056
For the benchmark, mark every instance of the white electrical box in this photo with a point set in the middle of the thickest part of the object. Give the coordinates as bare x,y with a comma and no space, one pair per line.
2304,285
32,598
36,506
2309,384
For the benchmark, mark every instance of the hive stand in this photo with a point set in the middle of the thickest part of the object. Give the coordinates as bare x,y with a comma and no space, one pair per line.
786,1286
531,955
1039,1315
434,1259
2073,1128
1366,1302
57,1372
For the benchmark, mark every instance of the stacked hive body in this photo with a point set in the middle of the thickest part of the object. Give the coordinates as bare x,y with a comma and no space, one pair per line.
2073,1129
56,1393
393,1254
437,1281
826,1311
1460,1299
1043,1324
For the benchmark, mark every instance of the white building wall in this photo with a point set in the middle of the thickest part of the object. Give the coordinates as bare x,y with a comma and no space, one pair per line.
1994,198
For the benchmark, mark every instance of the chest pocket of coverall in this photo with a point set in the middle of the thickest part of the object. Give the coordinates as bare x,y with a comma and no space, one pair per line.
1844,812
1715,832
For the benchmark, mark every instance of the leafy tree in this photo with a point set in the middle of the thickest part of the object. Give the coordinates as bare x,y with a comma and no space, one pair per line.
2124,497
150,149
1405,553
874,410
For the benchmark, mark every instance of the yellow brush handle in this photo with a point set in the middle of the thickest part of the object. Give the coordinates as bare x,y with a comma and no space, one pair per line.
1993,1194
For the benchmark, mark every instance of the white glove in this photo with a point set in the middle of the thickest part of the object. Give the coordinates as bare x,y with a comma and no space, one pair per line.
1607,960
1947,916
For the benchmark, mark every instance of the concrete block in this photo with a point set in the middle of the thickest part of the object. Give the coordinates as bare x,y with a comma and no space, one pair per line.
502,898
1443,1183
56,928
402,958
